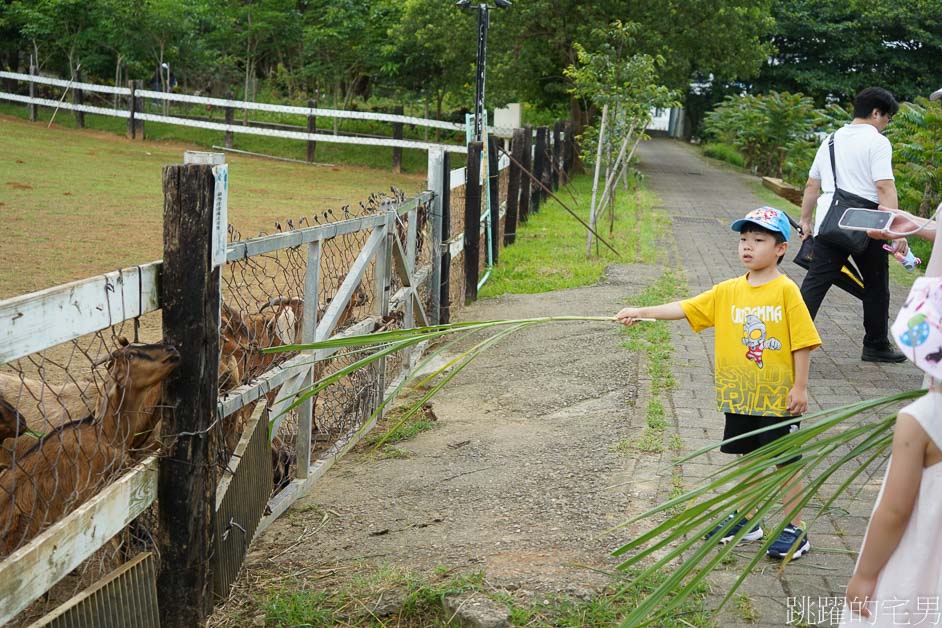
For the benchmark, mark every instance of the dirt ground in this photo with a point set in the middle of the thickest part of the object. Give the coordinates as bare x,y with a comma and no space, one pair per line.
520,480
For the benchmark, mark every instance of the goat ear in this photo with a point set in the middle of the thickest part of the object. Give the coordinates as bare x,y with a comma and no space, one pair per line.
11,418
123,341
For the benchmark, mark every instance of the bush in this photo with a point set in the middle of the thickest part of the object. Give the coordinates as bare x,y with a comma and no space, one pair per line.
724,152
762,128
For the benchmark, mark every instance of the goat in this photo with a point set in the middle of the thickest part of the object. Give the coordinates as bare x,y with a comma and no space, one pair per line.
12,423
67,466
44,406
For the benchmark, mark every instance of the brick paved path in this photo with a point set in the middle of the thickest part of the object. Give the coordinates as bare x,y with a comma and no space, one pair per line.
702,199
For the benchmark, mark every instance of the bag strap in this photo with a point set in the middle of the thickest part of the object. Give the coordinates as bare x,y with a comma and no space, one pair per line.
833,165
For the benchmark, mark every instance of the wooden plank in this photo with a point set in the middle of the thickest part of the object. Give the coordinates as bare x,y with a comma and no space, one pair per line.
34,568
39,320
786,190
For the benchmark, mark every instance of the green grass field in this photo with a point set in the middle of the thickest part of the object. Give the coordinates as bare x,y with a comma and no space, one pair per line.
549,253
76,203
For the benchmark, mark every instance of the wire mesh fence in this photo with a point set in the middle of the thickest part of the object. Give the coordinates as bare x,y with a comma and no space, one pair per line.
75,417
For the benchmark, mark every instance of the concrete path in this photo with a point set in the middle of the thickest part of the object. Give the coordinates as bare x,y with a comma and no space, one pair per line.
702,198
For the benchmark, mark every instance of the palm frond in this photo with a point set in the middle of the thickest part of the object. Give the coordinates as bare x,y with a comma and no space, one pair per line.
756,489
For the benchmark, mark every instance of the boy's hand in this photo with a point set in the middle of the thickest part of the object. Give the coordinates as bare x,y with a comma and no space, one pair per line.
797,402
628,316
859,591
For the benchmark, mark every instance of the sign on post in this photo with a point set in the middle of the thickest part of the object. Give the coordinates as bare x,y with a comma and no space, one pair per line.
220,200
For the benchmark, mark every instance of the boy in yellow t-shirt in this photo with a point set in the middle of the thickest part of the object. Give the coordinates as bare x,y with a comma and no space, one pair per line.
763,344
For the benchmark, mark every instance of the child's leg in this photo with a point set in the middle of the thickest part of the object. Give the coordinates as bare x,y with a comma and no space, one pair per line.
791,499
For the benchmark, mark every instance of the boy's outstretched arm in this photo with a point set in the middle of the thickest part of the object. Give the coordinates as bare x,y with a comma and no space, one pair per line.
797,402
665,312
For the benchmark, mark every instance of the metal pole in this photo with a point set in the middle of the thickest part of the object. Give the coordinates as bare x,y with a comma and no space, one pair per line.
483,19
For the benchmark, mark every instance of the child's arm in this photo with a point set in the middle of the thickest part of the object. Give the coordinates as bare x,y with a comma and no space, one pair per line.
892,515
797,402
665,312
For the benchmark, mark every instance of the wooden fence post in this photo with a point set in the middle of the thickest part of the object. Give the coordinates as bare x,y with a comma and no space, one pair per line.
78,98
186,483
472,222
32,90
311,128
494,192
444,308
513,188
526,171
397,135
568,148
557,154
135,105
230,119
539,167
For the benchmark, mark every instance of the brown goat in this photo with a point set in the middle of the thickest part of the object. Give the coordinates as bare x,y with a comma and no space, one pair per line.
12,423
46,406
67,466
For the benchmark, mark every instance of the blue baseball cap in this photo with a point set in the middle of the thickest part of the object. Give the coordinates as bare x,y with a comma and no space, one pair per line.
767,218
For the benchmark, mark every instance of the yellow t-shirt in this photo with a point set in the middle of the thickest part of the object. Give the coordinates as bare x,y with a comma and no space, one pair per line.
757,328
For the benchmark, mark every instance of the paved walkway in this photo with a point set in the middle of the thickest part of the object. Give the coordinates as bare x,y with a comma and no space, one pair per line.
702,199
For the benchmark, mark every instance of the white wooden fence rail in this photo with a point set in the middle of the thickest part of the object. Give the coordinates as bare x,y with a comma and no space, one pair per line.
239,104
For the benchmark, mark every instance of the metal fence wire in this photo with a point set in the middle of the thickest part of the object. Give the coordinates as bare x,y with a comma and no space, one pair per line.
263,299
74,418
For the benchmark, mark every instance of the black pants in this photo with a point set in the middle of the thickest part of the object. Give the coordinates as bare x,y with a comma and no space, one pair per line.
874,269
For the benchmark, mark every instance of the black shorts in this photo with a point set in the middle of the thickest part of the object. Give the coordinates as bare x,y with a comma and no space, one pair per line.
737,424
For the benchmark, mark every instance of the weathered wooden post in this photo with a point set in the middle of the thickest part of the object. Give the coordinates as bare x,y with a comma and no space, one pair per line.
397,135
311,128
32,89
494,193
569,146
194,212
513,187
444,309
230,120
539,167
78,98
525,174
135,106
557,154
472,222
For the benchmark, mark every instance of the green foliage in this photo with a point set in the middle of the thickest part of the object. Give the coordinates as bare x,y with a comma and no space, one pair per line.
421,599
762,128
724,152
549,253
625,84
916,134
831,49
406,431
836,448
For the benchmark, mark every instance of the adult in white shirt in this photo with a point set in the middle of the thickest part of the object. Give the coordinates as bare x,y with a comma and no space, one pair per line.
864,160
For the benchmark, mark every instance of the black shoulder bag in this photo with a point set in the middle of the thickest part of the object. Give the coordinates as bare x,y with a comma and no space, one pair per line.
829,231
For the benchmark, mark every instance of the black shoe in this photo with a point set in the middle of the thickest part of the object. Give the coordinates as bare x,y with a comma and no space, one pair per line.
882,354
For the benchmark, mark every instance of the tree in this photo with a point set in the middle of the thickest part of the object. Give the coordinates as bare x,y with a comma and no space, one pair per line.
423,55
718,37
342,45
831,49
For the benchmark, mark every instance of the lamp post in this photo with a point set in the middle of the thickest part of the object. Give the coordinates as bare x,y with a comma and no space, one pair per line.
483,22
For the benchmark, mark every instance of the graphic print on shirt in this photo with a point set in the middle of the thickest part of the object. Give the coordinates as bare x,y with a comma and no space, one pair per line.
755,339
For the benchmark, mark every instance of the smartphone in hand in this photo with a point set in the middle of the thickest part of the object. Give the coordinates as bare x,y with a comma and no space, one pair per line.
860,219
